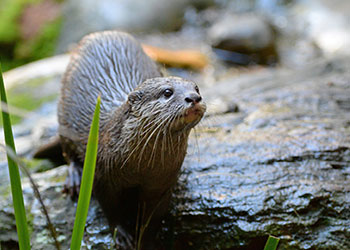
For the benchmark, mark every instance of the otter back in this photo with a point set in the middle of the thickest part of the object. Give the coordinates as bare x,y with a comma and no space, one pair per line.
110,64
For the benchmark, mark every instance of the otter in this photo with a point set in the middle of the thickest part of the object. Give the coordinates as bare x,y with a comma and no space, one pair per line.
145,122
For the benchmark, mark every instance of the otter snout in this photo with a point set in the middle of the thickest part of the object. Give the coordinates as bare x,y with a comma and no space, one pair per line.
193,98
195,112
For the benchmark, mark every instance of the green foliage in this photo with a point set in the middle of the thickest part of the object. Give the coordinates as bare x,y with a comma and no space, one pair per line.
272,243
10,11
15,179
48,40
43,45
16,51
86,181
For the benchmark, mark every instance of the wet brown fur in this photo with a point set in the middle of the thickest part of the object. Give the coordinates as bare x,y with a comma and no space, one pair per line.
143,134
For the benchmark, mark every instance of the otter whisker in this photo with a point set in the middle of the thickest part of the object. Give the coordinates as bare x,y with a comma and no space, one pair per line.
150,137
161,131
149,120
152,130
141,136
197,145
174,117
163,124
167,133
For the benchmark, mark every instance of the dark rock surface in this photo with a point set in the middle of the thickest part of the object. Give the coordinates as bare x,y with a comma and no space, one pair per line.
281,166
283,169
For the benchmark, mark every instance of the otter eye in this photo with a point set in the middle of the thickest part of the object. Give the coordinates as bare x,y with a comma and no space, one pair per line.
168,93
196,89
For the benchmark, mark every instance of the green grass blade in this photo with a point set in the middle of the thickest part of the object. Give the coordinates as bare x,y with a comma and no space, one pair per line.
15,179
86,181
272,243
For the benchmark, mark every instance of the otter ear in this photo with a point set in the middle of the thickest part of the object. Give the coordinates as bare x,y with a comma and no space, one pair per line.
135,96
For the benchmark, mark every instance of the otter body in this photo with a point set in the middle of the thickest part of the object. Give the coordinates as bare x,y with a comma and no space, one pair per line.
145,121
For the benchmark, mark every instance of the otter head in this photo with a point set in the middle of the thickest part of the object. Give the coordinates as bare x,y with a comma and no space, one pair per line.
171,102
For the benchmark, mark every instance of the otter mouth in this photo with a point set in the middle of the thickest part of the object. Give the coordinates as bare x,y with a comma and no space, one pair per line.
189,117
193,114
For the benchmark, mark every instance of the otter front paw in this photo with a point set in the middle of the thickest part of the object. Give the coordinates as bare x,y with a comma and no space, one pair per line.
73,180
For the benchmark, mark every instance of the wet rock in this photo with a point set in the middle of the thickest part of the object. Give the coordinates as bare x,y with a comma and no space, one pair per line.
284,170
280,166
243,39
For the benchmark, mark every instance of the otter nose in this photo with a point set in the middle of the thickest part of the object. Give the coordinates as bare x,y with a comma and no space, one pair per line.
194,98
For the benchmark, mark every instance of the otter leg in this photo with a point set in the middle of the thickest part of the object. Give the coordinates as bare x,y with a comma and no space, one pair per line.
120,207
154,207
124,239
72,184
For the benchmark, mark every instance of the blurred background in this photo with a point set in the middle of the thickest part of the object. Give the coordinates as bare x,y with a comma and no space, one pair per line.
272,155
269,32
